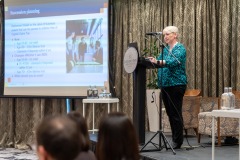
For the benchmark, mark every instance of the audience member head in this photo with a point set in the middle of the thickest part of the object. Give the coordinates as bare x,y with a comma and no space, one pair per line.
57,138
117,138
83,129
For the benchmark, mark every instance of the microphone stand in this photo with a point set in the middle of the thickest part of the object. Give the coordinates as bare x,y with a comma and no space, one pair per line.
160,133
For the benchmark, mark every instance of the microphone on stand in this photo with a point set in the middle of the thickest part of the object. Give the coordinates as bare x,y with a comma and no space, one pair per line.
153,33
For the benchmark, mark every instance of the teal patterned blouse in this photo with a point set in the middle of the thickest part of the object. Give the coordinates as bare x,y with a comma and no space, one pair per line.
173,73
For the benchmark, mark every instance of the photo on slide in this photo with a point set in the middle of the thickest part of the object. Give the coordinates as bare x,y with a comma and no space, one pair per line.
84,51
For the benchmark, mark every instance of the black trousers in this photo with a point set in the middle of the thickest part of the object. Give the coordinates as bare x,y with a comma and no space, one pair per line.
172,98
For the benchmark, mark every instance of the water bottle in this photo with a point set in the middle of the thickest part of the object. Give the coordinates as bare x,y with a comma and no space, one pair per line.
225,99
232,98
95,92
89,92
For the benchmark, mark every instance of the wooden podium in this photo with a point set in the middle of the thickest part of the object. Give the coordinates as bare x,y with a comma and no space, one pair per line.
139,95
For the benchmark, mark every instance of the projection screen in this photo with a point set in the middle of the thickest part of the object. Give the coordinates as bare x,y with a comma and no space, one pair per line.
55,47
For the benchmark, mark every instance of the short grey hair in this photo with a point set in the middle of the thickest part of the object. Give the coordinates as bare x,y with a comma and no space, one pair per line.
170,29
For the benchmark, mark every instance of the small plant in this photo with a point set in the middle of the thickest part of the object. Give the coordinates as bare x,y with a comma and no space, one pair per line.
152,78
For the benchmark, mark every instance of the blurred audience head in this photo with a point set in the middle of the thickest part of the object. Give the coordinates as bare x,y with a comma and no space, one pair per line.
83,129
57,139
117,138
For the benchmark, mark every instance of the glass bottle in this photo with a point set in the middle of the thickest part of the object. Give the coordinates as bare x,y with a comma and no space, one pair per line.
225,99
105,92
95,92
89,92
232,98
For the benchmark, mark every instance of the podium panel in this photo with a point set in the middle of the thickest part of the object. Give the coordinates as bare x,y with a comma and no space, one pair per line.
139,96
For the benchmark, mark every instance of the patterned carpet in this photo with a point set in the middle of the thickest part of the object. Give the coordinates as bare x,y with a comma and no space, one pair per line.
15,154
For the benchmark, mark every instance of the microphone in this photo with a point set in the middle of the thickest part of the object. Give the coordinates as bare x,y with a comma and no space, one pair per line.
154,33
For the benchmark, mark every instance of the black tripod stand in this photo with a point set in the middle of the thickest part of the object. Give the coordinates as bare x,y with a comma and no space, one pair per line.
163,142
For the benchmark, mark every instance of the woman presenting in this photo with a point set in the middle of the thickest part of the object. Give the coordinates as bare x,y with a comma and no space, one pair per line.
172,80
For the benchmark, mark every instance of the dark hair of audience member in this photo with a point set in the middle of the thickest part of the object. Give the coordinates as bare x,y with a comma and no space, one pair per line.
117,139
59,137
82,126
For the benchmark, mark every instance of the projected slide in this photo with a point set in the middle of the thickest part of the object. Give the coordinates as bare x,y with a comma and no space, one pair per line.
56,48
